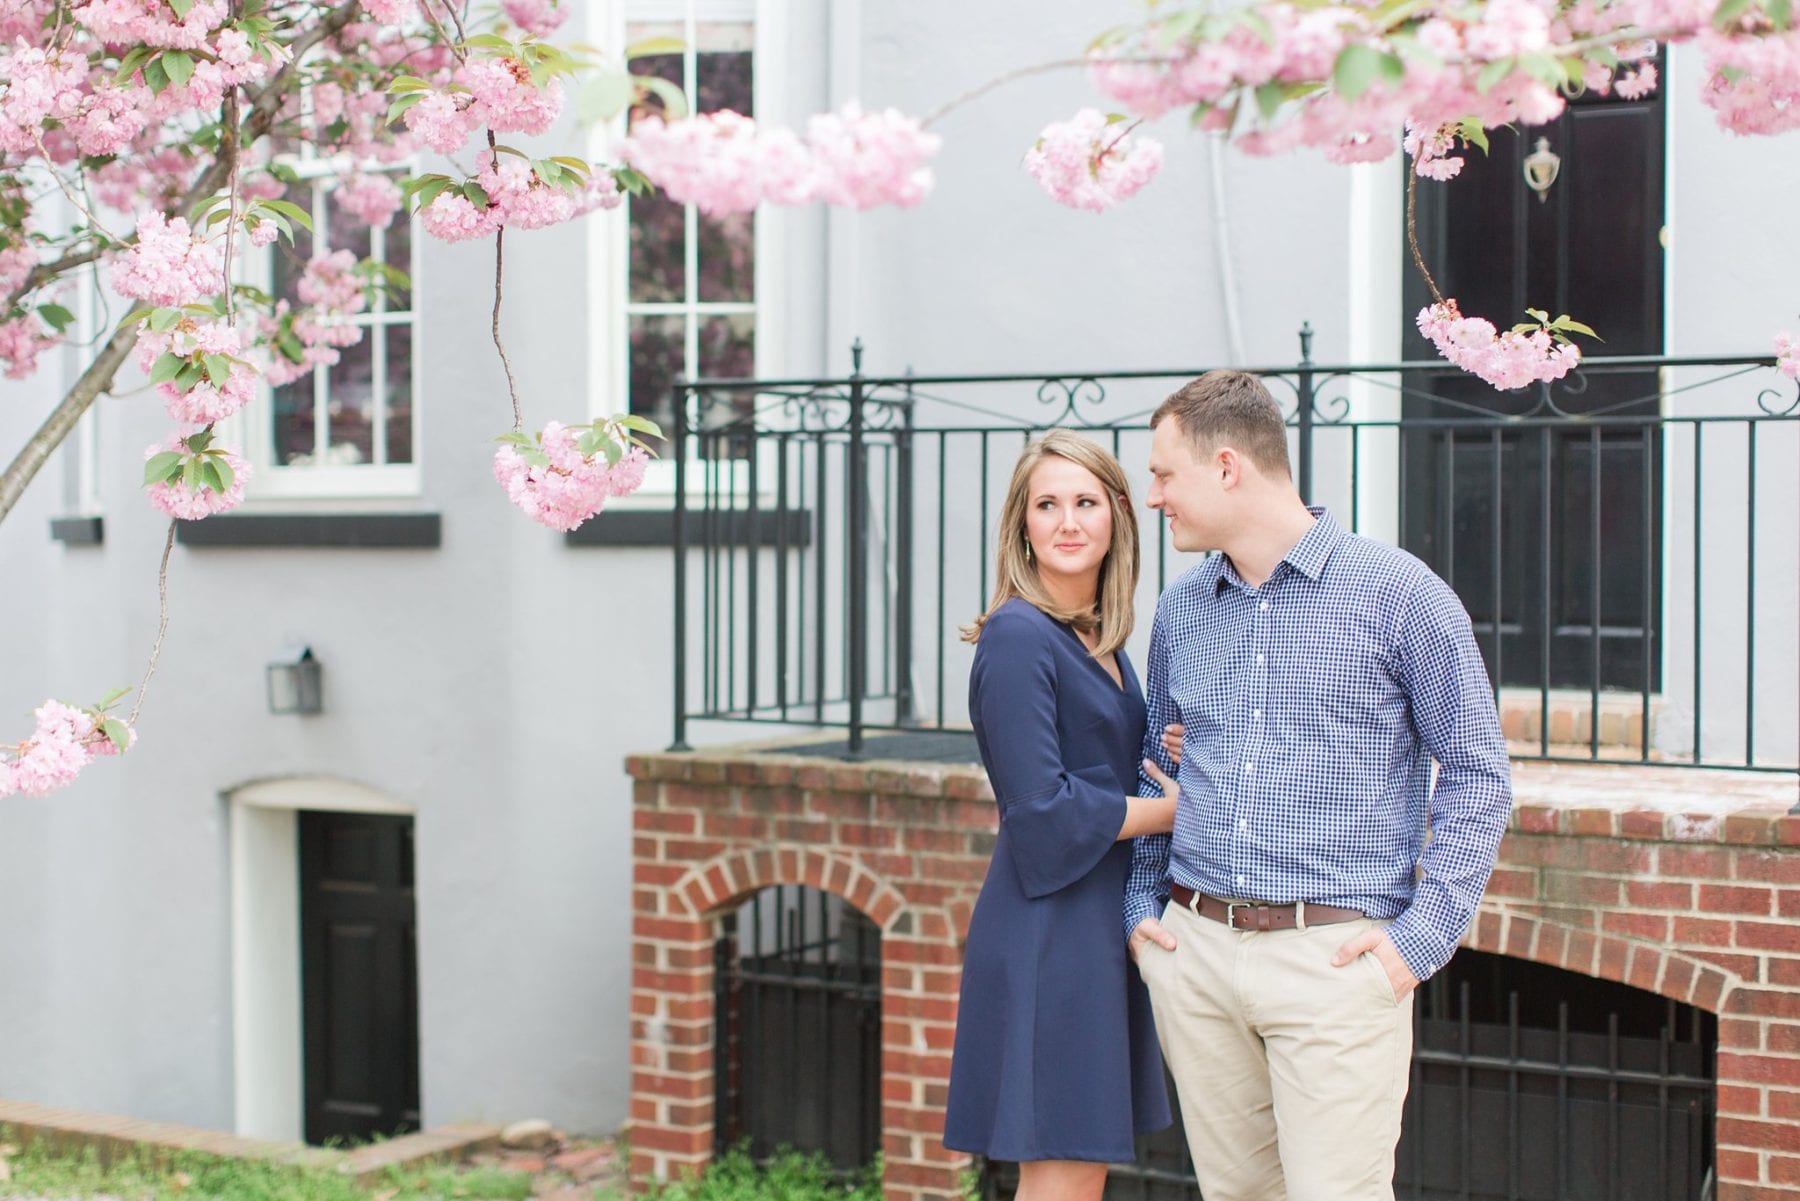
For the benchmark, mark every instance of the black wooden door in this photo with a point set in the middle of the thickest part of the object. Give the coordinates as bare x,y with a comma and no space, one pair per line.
358,976
1550,532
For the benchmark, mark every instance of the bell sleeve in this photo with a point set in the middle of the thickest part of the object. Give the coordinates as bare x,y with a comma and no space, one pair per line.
1060,821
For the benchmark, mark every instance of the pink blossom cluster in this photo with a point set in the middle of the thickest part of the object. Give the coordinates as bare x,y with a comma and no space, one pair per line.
495,92
517,198
372,199
330,291
168,265
66,740
564,487
204,402
539,18
39,88
150,22
1088,163
1753,83
1431,151
191,504
1505,360
392,12
722,163
1787,355
22,340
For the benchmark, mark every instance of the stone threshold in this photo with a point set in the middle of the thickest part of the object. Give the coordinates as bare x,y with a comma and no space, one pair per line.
112,1138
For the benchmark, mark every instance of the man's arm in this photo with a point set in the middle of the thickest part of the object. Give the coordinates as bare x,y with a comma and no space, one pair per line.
1147,887
1439,667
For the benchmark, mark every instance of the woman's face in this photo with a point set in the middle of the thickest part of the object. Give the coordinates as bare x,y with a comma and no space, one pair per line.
1068,520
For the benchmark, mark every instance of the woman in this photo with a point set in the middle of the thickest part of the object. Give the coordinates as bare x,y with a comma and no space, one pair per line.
1056,1064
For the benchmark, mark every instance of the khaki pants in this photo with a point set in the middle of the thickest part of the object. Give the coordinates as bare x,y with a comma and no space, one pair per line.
1291,1073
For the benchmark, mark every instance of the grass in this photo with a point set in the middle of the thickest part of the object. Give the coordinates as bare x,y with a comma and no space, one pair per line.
788,1176
39,1170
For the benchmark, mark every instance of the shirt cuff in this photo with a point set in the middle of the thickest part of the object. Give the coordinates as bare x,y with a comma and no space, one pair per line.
1424,950
1139,906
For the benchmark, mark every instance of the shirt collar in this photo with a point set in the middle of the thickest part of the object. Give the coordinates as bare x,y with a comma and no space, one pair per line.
1308,556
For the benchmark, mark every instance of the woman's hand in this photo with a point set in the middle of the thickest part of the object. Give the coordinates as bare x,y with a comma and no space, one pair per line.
1171,741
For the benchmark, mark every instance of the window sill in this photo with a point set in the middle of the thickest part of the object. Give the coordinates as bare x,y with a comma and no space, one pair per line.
78,531
369,531
656,527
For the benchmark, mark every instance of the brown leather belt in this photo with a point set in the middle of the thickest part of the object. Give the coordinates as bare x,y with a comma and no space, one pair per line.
1260,915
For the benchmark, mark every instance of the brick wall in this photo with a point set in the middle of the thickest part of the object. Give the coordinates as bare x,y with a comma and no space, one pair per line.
1606,871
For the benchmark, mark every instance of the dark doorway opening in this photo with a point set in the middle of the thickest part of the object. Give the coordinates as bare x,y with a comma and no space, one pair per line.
359,976
798,1004
1551,537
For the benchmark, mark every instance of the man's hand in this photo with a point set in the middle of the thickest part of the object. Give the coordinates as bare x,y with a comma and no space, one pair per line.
1146,932
1370,942
1171,741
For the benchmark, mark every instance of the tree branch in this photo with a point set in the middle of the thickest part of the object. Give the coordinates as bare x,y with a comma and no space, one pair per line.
264,108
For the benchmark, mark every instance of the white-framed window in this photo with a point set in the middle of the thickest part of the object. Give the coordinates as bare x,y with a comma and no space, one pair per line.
683,294
350,429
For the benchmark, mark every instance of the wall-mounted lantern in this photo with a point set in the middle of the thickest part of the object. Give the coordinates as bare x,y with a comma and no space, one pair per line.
295,684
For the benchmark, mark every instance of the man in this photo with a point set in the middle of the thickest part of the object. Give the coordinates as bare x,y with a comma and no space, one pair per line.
1317,675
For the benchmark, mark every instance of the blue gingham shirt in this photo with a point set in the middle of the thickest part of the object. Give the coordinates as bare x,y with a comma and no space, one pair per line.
1313,708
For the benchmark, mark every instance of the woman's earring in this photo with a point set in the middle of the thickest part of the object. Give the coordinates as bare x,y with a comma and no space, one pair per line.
1028,552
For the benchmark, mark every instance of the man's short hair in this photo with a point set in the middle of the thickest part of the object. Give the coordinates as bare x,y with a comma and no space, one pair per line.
1230,408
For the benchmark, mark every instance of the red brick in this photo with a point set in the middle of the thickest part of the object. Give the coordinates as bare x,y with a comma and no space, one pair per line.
1709,990
1656,894
694,796
657,874
1784,1105
1485,934
1646,966
1580,955
795,829
1562,915
1763,1136
692,850
1737,1165
851,834
918,838
1744,967
1770,936
1784,1037
1741,1100
782,802
1538,819
1701,932
1581,888
1590,822
854,806
1750,829
1784,971
1736,898
667,823
1784,1169
1706,863
1628,858
851,779
1766,1002
1758,1069
1641,823
1677,978
661,1138
1774,867
1653,927
1552,942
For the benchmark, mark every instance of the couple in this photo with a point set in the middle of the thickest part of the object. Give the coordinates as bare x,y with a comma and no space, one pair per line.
1302,684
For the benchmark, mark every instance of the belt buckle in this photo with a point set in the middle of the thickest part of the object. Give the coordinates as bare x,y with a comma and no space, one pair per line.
1231,908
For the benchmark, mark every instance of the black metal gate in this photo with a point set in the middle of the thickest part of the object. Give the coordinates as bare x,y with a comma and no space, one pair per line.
798,998
1529,1083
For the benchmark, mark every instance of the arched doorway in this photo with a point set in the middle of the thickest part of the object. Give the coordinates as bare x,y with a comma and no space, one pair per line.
798,1005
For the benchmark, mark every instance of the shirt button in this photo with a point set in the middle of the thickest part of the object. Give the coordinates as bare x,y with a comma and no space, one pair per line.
1243,823
1240,881
1265,606
1256,713
1248,768
1259,657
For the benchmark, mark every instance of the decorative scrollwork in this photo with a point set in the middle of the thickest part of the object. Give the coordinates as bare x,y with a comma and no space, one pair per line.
1071,394
1768,398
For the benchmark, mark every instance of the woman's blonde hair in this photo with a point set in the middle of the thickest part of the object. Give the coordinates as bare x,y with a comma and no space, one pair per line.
1016,574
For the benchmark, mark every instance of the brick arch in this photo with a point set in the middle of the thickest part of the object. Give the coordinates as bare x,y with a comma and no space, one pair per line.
1642,965
728,877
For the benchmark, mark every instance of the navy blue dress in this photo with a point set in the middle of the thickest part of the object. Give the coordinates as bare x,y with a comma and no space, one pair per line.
1056,1054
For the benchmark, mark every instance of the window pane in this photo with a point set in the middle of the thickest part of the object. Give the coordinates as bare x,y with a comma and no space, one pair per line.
663,66
349,392
658,249
399,256
293,418
399,394
658,355
728,346
722,64
727,254
290,261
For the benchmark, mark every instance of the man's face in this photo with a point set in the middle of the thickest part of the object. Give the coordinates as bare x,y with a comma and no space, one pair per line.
1184,487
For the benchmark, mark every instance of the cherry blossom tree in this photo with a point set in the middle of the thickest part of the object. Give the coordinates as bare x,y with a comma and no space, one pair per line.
149,141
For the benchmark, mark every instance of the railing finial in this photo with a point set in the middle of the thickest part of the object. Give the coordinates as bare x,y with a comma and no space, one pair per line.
856,349
1306,337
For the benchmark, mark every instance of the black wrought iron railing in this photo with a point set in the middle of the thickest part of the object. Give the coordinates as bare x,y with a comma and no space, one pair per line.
1623,539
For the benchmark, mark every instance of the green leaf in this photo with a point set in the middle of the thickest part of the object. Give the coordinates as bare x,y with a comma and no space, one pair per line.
1538,315
166,368
492,41
180,66
218,369
56,316
290,346
503,148
198,442
613,453
1258,24
1780,13
290,210
181,8
164,320
434,189
402,104
222,469
115,730
209,475
578,166
161,467
156,76
1473,132
128,66
632,421
631,182
1268,99
476,194
111,697
603,96
1492,74
1729,11
515,437
190,474
1574,327
408,83
674,100
644,47
189,375
1360,67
